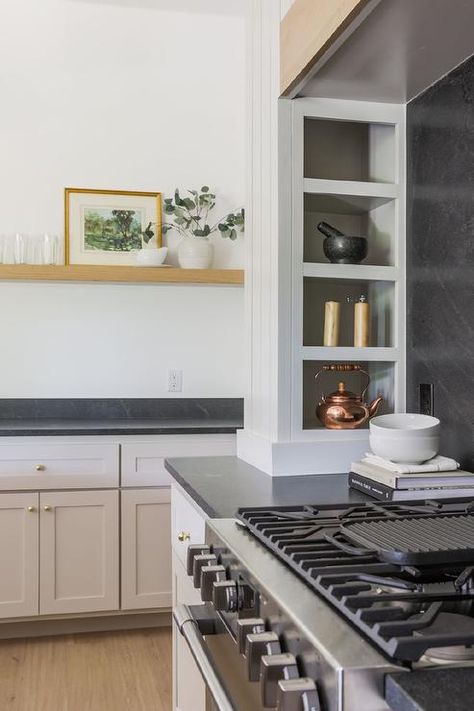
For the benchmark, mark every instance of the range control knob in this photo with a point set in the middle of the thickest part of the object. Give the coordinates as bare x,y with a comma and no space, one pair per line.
193,551
297,695
273,668
199,562
210,574
250,625
256,646
225,596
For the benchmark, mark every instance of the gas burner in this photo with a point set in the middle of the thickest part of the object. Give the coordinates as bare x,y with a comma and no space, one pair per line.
448,623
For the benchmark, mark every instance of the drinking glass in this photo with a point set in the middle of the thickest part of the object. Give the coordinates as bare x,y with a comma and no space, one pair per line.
34,251
20,243
50,248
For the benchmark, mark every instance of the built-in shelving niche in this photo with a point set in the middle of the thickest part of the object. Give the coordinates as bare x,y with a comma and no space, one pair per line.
349,150
382,376
356,215
380,296
348,170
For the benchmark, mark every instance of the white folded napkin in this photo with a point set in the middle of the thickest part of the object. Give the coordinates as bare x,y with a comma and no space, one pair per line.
437,464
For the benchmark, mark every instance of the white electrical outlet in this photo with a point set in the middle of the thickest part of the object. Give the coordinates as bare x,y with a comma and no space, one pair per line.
175,381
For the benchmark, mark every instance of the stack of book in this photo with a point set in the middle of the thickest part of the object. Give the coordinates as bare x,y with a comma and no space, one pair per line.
388,481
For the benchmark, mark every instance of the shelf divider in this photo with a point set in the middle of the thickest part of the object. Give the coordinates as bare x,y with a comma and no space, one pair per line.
355,272
350,353
356,188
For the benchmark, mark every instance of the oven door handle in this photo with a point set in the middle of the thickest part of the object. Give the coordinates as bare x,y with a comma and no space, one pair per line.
189,628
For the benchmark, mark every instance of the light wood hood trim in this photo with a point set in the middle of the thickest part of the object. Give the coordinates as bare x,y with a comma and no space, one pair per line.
308,30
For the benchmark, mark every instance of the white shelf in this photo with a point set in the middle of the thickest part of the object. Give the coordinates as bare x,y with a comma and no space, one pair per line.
355,272
349,353
361,194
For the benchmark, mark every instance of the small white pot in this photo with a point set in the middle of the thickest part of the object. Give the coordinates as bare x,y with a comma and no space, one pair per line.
195,253
147,257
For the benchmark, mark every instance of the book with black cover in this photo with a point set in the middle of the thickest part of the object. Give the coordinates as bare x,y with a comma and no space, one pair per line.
382,492
450,479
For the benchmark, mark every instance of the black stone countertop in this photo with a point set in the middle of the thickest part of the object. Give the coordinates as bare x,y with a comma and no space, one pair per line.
221,485
431,690
120,416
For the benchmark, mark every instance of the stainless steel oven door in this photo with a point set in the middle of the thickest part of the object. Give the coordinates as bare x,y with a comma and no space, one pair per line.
218,660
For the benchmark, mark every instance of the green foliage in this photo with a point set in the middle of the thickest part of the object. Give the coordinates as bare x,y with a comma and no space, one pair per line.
190,215
148,233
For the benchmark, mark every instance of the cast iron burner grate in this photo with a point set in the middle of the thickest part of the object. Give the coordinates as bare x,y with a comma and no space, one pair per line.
398,606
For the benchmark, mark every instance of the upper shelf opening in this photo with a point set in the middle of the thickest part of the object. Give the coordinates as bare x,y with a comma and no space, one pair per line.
349,150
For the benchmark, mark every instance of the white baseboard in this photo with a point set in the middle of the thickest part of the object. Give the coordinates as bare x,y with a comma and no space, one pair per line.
326,456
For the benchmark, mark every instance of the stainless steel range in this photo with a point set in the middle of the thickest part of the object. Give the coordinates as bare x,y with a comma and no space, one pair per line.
308,608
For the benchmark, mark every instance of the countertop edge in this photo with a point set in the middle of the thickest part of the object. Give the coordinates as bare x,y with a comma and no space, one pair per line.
116,431
198,500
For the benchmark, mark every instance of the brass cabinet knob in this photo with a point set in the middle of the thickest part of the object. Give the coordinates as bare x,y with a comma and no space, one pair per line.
40,467
31,509
184,536
47,508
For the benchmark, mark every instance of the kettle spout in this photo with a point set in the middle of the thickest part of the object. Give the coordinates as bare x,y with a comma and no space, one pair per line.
374,406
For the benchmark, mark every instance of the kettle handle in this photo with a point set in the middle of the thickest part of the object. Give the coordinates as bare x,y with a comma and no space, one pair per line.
345,368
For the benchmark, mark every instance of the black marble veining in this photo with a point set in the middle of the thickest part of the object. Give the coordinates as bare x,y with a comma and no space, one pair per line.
440,257
221,485
120,416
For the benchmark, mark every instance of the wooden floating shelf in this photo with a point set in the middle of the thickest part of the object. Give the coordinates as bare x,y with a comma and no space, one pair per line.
134,275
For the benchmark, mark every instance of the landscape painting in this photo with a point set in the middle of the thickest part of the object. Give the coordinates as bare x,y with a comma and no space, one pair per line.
112,230
110,227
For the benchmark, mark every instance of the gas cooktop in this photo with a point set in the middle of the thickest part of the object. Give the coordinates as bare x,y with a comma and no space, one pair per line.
403,574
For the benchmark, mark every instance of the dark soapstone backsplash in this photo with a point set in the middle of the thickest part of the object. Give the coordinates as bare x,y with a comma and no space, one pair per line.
181,409
440,253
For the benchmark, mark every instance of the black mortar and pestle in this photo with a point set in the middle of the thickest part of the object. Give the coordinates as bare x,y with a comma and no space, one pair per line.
340,248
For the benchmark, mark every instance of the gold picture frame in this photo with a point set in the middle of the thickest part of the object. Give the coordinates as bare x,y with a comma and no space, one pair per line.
105,227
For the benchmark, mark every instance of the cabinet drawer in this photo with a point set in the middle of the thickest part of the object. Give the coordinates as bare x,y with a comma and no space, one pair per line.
185,519
143,463
58,466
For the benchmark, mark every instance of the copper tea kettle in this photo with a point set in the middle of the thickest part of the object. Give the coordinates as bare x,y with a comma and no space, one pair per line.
342,409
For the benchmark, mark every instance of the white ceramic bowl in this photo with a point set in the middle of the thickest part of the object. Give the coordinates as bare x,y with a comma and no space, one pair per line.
405,437
152,257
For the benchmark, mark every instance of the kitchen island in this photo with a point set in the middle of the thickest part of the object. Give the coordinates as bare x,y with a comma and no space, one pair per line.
218,487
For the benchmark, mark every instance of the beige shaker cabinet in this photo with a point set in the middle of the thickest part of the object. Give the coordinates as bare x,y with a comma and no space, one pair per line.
146,548
79,554
19,537
86,526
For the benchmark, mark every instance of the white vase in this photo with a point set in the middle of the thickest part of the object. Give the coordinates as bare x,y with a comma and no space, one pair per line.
195,253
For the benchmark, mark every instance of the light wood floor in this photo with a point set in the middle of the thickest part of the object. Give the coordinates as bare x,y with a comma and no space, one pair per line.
107,671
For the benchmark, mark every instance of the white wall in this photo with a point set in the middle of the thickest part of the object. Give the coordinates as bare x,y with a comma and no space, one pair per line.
131,94
285,6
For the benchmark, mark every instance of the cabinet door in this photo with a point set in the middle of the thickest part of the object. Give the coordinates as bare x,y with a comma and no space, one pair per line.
146,548
189,691
18,555
79,557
